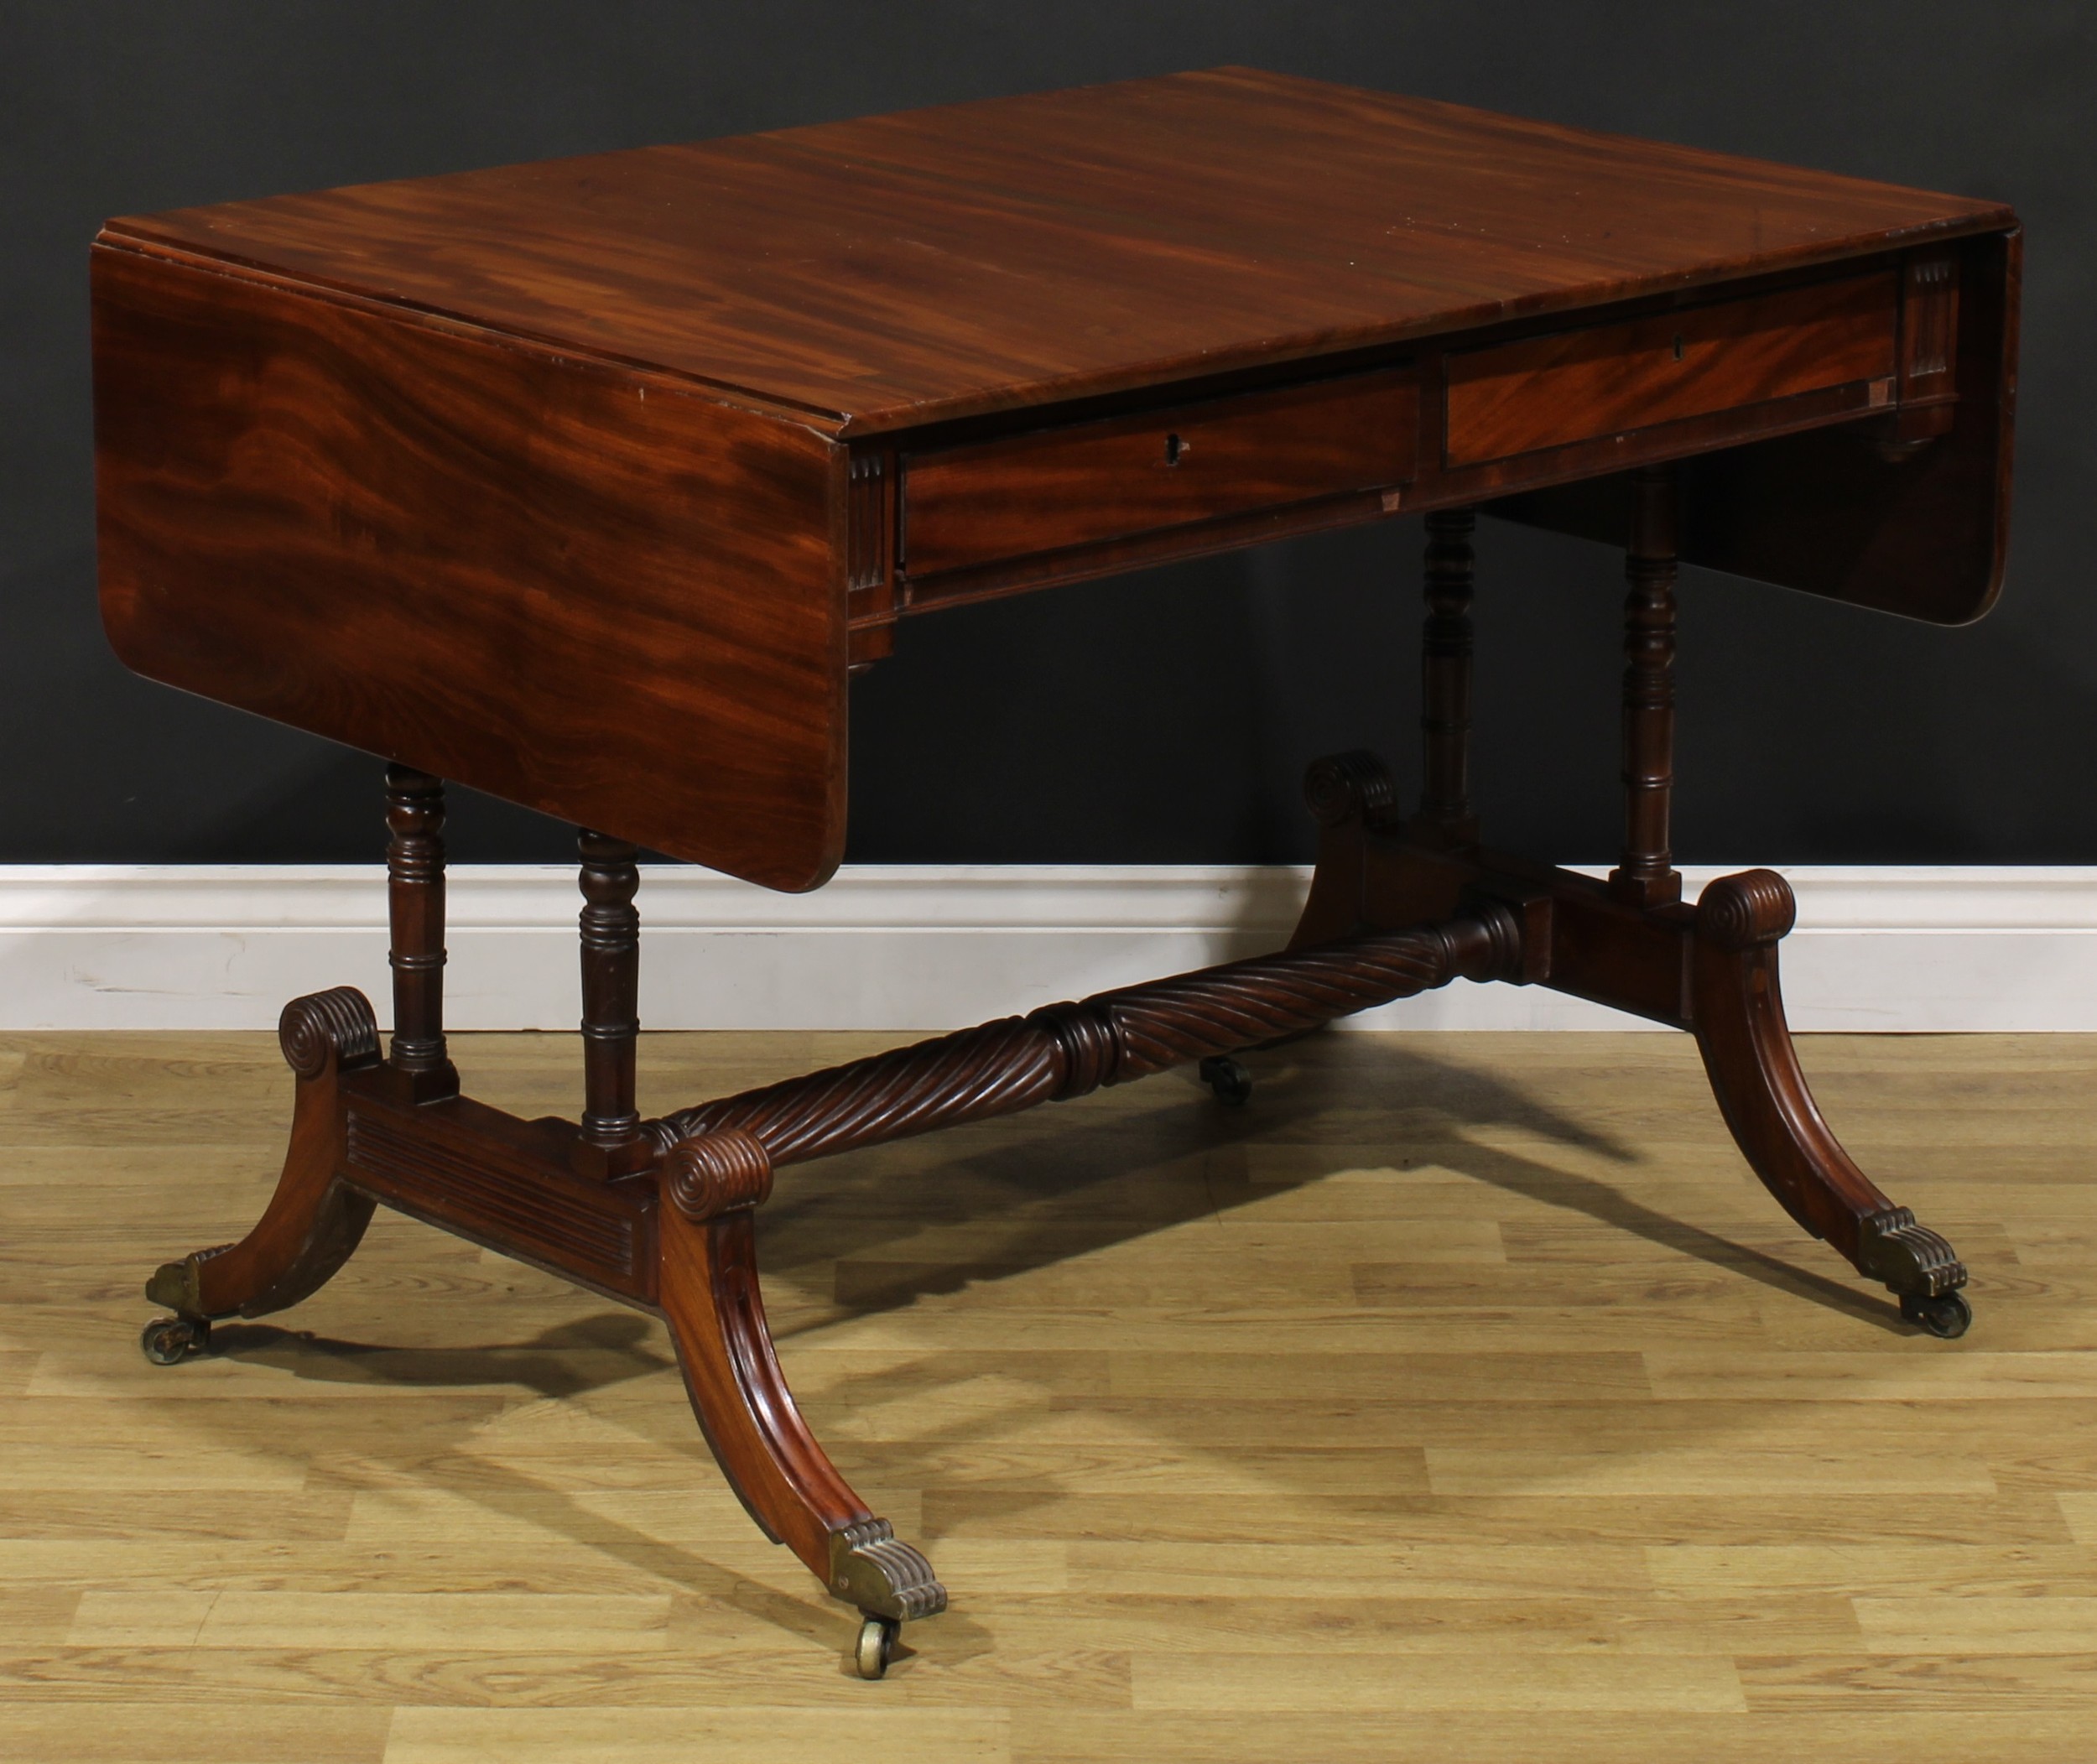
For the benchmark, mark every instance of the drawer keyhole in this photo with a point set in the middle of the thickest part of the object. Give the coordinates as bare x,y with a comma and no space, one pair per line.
1678,347
1175,449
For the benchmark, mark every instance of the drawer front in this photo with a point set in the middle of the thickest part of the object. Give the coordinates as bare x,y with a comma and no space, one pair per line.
1580,385
1093,483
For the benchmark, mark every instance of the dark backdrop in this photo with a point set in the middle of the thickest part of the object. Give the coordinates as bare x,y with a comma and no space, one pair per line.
1159,717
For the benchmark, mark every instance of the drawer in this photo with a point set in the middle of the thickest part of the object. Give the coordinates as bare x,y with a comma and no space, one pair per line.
1580,385
1091,482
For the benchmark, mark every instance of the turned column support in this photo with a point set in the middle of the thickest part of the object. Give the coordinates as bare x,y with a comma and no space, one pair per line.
1445,681
415,911
1646,872
611,937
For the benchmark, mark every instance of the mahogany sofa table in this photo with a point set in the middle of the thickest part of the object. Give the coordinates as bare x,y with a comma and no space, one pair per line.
591,484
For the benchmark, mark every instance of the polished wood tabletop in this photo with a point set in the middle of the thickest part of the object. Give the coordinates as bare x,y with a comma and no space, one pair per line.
899,270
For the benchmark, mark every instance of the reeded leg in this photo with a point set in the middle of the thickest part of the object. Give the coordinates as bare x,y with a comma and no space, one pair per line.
1738,1018
711,1299
313,1222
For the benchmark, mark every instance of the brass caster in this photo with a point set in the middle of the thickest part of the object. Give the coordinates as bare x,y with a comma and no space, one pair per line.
1948,1316
170,1341
877,1647
1231,1081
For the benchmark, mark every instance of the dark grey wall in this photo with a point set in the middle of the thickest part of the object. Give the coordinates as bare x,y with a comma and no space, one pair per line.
1158,717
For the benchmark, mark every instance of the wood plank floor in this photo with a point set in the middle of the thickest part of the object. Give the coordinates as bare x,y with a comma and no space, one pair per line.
1462,1397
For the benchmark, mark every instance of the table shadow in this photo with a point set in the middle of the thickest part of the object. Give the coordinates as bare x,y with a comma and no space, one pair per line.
836,1207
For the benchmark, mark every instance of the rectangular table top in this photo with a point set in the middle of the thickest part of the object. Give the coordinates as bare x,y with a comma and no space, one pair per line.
899,270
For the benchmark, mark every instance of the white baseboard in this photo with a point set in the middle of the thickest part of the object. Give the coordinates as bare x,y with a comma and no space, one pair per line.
932,947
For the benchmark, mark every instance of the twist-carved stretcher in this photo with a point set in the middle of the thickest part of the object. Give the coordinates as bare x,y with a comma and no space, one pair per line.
367,466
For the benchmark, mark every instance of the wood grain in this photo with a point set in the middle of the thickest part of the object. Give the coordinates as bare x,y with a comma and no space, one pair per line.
552,579
1922,531
1554,390
1117,479
1443,1399
899,270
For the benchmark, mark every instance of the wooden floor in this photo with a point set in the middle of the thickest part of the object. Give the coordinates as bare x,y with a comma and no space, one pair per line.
1461,1399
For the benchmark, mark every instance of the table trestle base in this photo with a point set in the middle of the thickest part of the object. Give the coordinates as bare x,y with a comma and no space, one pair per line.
660,1214
661,1217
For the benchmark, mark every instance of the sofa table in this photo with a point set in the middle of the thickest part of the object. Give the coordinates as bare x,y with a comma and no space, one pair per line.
592,483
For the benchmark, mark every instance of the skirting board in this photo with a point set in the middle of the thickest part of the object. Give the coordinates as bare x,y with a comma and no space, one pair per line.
933,947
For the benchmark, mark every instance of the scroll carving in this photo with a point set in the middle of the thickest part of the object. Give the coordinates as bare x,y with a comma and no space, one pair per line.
719,1172
1750,910
336,1024
1350,786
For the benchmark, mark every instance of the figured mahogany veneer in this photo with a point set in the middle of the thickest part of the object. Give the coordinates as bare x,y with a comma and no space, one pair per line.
1574,386
1121,478
587,483
556,579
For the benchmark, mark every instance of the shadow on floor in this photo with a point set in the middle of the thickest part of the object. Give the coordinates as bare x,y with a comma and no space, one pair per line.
1049,1185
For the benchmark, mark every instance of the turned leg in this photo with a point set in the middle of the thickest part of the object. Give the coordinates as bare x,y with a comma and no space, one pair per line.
611,930
415,911
1645,872
1352,795
710,1298
611,1142
1445,816
313,1222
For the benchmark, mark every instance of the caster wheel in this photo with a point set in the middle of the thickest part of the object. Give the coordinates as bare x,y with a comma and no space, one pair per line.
877,1647
1231,1081
170,1341
1947,1317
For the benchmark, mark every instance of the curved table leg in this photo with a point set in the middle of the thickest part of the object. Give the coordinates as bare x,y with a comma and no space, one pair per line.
1739,1016
313,1221
709,1297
